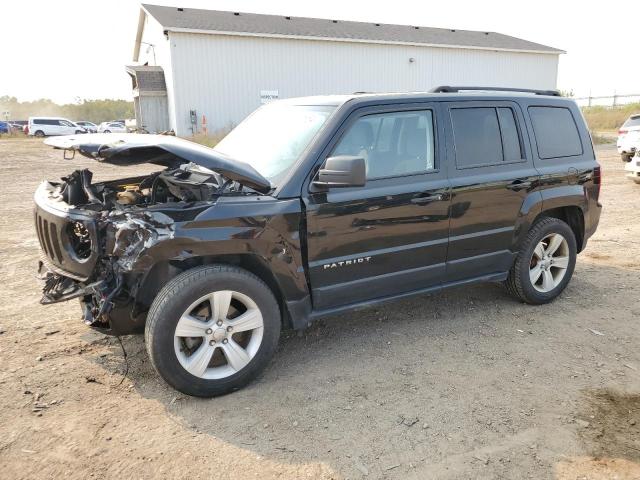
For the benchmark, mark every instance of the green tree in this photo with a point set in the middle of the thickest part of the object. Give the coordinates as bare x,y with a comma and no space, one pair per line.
95,111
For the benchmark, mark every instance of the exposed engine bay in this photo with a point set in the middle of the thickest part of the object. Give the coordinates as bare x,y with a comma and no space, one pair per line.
187,183
97,239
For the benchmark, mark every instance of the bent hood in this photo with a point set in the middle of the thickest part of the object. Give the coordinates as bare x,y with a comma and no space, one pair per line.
165,150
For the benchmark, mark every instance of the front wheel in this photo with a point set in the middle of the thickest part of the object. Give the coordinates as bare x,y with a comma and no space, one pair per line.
545,262
212,329
626,157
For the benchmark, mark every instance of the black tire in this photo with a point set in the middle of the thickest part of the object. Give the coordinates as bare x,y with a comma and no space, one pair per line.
107,131
518,282
626,157
78,132
39,133
175,298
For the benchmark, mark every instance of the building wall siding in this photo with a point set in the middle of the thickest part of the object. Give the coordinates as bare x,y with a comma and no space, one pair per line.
222,76
153,34
152,113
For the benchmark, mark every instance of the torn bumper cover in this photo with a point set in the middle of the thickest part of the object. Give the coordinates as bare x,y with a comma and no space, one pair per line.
105,296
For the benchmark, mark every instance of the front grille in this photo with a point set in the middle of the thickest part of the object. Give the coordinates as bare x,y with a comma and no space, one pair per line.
49,241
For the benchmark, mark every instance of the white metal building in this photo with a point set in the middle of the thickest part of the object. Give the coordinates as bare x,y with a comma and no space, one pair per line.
223,65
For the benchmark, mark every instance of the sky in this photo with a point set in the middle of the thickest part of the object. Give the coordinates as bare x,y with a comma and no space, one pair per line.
70,49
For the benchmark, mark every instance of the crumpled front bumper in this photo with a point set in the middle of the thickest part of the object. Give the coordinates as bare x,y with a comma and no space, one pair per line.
102,308
60,288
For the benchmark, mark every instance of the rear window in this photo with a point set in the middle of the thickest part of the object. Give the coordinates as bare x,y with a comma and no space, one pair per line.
485,136
556,132
633,121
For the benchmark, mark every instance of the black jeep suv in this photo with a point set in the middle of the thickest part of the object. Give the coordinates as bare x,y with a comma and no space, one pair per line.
312,207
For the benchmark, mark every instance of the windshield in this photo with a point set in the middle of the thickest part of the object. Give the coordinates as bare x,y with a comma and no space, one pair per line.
272,138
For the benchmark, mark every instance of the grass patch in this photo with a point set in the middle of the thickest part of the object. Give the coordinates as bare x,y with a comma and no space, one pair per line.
608,118
210,140
16,136
600,139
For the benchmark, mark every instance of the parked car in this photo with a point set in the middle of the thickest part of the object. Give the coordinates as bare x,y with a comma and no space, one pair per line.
5,127
314,207
18,125
112,127
633,166
48,126
629,137
88,126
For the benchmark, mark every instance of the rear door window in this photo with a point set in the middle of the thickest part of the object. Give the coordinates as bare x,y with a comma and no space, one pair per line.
556,132
511,145
485,136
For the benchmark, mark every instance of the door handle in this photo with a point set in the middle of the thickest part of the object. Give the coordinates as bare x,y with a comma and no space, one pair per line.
438,197
518,185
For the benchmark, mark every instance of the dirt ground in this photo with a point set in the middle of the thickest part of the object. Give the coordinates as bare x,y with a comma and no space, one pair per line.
464,384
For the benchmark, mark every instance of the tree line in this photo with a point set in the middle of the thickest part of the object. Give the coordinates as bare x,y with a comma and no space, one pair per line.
95,111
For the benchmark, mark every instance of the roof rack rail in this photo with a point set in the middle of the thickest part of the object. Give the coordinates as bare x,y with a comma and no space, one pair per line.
447,89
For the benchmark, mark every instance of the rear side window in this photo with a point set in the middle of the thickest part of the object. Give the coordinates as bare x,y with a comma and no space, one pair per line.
556,132
633,121
485,136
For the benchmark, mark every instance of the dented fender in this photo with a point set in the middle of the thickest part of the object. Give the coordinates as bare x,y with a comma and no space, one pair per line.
262,227
131,235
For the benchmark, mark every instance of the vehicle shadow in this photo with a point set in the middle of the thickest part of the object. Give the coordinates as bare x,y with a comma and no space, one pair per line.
441,382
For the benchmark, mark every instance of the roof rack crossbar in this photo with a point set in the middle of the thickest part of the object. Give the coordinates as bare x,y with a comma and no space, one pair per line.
448,89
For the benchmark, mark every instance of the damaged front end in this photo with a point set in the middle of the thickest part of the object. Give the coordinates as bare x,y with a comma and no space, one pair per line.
93,251
97,239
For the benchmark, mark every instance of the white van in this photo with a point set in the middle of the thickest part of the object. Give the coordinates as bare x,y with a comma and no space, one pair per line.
45,126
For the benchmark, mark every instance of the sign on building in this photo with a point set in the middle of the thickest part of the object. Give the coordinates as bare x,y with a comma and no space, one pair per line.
267,96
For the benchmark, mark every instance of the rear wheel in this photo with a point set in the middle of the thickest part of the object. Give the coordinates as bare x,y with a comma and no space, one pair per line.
545,262
626,157
107,131
212,329
39,133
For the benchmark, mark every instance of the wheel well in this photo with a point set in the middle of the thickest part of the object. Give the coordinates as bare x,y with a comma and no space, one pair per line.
162,272
572,216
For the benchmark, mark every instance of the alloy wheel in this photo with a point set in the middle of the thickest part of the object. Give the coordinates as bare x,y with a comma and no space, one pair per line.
218,334
549,262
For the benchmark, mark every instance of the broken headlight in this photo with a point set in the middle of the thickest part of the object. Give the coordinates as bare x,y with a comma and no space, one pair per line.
79,240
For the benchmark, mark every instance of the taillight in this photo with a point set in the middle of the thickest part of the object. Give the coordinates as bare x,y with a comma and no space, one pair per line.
622,131
597,180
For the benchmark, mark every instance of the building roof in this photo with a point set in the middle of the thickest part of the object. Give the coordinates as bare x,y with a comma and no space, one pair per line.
147,78
252,24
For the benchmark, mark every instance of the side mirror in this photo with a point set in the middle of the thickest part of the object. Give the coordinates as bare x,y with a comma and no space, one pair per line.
342,171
